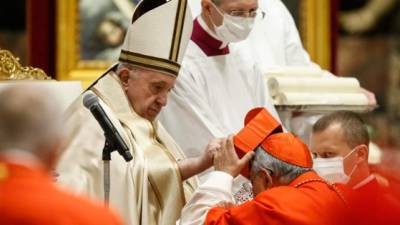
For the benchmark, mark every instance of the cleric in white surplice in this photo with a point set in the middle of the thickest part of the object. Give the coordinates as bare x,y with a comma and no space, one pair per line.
216,87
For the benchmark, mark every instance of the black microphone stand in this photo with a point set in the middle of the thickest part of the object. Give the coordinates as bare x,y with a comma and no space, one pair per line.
106,156
114,141
108,148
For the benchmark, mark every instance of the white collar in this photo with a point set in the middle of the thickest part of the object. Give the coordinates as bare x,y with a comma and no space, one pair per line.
364,182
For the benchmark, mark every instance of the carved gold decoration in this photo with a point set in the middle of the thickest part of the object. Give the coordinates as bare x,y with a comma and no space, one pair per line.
11,69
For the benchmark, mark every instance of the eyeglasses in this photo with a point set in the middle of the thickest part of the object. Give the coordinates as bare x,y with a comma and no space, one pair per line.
246,13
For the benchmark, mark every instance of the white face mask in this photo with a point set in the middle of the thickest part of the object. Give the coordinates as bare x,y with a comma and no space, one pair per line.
233,28
331,169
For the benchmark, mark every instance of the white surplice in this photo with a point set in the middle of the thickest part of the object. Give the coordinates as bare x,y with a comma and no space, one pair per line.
274,41
211,98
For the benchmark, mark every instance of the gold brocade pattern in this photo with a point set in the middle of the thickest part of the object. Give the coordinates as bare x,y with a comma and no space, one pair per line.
11,69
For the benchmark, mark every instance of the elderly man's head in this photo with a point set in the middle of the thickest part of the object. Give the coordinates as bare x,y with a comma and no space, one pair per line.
342,134
230,20
147,90
30,121
267,171
279,157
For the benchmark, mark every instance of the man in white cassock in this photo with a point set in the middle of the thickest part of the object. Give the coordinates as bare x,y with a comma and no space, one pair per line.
274,41
216,87
152,188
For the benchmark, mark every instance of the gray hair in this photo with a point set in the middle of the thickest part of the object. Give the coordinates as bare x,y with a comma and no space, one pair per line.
30,119
281,171
135,70
123,65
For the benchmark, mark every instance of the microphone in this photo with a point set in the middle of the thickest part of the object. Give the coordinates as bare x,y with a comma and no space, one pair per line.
114,139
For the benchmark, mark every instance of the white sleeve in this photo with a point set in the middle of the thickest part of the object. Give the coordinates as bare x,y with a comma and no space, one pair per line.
188,117
216,188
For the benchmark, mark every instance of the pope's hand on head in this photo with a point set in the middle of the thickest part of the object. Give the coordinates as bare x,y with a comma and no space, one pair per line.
195,165
226,159
208,154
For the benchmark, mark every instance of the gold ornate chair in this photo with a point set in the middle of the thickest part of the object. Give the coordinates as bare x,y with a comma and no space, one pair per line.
12,73
11,69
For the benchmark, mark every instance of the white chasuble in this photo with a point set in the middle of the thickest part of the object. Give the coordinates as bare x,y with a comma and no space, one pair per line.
146,190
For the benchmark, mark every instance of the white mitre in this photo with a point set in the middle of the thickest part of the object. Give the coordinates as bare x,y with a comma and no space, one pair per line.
158,35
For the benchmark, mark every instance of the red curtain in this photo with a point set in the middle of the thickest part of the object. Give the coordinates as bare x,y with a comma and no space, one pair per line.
41,34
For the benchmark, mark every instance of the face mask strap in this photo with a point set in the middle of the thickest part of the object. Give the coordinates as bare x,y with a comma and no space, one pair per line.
356,165
219,11
351,152
352,170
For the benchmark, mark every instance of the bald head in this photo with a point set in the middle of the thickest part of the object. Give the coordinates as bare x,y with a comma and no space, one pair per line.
30,120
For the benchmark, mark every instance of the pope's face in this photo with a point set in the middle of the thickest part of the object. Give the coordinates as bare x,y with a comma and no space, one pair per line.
147,90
